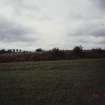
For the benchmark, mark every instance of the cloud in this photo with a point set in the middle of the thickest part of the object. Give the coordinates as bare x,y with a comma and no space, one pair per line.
14,35
20,6
90,28
101,3
99,33
51,23
10,32
102,42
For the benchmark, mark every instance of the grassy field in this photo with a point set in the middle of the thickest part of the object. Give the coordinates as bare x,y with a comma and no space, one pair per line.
71,82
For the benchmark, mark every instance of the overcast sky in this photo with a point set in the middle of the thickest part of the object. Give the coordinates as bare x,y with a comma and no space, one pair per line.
31,24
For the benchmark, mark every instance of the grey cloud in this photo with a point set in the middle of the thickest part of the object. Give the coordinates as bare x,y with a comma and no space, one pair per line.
101,3
99,33
10,32
102,42
22,4
19,7
83,41
96,30
52,20
26,8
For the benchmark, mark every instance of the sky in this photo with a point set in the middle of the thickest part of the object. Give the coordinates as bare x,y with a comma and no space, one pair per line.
46,24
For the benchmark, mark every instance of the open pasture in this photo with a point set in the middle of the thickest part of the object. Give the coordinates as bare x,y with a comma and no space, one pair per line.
68,82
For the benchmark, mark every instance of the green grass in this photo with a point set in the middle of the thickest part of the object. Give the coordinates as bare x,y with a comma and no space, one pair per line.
71,82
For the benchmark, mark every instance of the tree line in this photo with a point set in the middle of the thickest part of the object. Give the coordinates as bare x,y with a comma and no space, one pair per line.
12,55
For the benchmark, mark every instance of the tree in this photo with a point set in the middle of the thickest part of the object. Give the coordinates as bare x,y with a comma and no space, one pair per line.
17,50
77,51
57,54
9,51
39,50
13,50
2,51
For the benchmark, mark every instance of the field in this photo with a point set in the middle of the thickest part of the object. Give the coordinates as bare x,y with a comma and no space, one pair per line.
69,82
